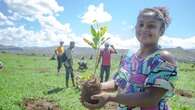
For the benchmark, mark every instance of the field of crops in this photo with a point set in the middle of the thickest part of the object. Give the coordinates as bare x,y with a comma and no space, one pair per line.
34,77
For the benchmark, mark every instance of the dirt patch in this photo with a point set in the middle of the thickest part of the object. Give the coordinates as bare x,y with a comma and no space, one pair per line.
43,70
39,104
185,93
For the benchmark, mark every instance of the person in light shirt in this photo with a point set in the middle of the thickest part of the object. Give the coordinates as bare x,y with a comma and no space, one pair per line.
59,52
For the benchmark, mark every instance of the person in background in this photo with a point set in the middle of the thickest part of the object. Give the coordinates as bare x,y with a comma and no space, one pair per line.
82,63
59,52
105,56
68,63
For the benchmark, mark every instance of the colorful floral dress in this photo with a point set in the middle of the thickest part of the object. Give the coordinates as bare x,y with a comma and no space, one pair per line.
136,74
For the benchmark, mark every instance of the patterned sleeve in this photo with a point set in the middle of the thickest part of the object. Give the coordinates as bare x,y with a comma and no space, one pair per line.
121,77
161,74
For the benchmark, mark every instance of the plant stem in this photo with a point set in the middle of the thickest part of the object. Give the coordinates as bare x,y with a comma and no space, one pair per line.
97,50
96,59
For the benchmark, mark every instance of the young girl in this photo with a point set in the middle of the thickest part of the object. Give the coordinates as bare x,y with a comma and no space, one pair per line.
144,81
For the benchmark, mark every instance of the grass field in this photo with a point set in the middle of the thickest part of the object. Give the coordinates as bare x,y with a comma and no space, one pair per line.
34,76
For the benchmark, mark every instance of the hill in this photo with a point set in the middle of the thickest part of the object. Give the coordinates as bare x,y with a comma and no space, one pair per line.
181,54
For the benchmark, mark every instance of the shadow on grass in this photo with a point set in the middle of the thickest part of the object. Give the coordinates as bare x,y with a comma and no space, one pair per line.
54,91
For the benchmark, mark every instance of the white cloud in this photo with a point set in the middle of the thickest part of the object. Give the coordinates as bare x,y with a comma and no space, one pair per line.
96,13
165,42
132,43
31,8
186,43
116,40
51,23
22,37
4,21
52,31
2,16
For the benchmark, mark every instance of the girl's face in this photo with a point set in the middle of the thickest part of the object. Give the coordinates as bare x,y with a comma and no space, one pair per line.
148,29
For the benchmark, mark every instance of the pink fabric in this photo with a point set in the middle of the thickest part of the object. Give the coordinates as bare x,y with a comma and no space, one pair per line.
138,78
106,56
133,81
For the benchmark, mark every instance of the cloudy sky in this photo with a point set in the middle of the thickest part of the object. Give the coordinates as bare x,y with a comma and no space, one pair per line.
46,22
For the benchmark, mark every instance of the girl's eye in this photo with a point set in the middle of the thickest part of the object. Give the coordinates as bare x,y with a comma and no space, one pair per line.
141,25
151,26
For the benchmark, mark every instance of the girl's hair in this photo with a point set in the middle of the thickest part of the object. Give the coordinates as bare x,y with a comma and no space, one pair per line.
160,13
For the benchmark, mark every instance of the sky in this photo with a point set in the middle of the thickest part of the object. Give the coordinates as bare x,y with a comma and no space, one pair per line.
46,22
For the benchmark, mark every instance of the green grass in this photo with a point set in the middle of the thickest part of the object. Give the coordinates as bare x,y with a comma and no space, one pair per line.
33,76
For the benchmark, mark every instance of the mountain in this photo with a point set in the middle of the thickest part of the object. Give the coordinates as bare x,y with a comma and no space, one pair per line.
10,48
181,54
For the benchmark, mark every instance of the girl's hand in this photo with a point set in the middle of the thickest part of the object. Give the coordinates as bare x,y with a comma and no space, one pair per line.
102,98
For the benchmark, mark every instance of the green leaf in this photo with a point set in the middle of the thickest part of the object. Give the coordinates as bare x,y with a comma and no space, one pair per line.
94,21
93,31
95,47
98,35
103,30
96,41
102,38
103,41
